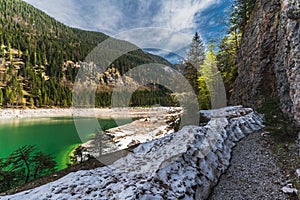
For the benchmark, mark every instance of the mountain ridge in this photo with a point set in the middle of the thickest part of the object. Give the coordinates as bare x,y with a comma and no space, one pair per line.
40,57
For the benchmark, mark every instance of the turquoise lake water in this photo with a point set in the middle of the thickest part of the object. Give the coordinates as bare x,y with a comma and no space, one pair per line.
56,135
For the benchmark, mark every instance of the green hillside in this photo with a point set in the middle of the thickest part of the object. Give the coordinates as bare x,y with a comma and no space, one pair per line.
40,57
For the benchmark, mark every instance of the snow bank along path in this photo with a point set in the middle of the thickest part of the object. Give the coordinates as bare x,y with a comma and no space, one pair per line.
183,165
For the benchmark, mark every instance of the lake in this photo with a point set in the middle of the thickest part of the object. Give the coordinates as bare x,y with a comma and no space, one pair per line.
55,135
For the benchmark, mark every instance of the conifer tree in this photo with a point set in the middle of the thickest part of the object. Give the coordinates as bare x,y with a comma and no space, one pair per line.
211,78
241,14
195,57
196,53
20,159
1,97
42,164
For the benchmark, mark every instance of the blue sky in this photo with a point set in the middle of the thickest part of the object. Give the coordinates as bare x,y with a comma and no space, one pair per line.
167,25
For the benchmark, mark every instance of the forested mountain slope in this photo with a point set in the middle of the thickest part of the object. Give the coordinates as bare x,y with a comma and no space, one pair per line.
40,57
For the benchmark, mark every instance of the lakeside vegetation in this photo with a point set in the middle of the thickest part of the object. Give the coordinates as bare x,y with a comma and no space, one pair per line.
24,165
55,137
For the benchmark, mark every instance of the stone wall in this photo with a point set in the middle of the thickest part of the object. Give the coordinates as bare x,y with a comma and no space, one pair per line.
269,58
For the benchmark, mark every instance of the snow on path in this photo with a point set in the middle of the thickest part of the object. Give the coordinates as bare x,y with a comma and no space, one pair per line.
183,165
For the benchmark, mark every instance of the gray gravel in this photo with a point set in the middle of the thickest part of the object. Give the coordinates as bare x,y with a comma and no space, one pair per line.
253,173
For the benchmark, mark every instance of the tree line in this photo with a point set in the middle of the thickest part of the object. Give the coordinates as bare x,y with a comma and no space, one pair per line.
204,64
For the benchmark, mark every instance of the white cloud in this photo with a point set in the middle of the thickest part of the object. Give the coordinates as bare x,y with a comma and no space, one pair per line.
114,17
180,15
64,11
174,21
104,15
156,38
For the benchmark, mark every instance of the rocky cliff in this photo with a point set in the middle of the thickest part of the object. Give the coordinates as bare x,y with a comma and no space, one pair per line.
269,57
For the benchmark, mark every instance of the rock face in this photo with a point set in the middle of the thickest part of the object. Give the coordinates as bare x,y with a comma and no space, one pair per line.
269,58
184,165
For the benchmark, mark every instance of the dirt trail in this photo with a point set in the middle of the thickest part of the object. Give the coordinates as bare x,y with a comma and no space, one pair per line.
253,173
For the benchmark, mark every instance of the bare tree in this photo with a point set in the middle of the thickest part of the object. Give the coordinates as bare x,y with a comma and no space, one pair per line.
102,141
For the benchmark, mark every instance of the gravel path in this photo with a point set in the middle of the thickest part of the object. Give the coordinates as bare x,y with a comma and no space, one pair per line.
253,173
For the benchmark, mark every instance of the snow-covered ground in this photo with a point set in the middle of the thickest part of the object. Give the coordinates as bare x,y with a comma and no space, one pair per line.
139,131
182,165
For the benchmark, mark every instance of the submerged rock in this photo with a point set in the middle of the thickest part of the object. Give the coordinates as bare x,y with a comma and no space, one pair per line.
183,165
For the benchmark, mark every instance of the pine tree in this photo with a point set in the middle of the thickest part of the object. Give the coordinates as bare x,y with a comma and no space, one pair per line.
230,44
42,164
196,53
10,54
78,155
20,159
195,58
226,58
7,176
102,141
1,97
211,77
31,101
241,14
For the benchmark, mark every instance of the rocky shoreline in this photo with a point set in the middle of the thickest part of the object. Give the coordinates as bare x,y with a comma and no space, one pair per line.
152,125
10,113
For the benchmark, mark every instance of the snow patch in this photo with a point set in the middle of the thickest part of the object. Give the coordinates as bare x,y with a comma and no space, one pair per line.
182,165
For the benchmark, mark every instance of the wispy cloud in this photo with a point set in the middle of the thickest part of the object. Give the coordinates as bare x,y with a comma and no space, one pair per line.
180,15
64,11
115,17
